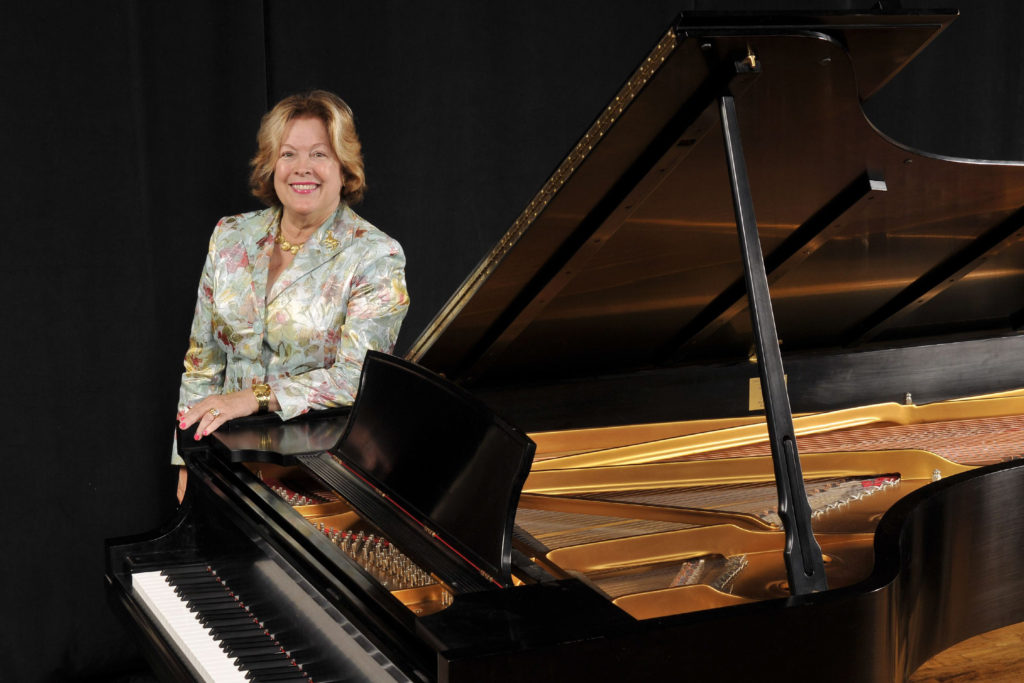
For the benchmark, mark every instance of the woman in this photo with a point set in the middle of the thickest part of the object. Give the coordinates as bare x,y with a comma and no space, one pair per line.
291,297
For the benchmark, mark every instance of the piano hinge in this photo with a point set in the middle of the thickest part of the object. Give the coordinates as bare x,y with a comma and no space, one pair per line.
751,58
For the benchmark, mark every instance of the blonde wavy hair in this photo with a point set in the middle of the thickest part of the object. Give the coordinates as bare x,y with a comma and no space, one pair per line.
341,129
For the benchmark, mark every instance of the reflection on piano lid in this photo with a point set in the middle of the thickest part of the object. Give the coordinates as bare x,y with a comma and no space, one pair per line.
609,323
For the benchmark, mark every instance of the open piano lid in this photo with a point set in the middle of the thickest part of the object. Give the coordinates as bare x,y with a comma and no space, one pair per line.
628,257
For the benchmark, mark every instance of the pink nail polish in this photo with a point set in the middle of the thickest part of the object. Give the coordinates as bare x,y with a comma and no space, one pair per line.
206,432
182,424
196,437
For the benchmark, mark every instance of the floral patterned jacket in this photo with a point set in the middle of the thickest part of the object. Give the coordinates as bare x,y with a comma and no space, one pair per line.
343,293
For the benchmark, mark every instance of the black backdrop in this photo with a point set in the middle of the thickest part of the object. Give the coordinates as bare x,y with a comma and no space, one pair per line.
126,129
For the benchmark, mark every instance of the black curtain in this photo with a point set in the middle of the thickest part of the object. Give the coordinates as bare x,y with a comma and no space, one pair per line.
128,126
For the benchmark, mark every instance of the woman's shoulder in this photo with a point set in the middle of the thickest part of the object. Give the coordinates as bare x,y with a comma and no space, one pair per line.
363,234
252,224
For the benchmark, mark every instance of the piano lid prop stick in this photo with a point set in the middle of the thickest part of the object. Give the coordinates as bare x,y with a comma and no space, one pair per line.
805,566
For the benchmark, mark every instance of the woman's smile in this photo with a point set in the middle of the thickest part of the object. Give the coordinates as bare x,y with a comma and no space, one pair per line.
307,175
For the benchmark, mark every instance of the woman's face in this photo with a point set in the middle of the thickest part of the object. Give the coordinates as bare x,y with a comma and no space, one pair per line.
307,175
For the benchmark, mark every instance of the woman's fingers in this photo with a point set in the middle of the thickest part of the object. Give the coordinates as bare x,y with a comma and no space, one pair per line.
211,419
213,411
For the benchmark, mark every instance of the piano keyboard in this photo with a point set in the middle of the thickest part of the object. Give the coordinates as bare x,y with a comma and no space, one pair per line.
213,628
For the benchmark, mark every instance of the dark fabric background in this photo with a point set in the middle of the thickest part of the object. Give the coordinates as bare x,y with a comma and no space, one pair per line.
126,129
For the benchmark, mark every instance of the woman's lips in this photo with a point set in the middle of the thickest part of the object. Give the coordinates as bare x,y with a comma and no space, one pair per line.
304,188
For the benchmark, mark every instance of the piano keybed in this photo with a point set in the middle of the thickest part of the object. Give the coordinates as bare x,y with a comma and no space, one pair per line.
224,638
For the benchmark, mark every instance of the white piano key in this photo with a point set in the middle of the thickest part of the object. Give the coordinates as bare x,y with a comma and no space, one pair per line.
184,630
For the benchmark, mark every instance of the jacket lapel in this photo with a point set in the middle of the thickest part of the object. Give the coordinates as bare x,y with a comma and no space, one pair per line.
329,239
259,256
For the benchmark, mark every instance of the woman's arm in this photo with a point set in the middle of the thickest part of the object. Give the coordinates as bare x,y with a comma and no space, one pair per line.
377,304
205,359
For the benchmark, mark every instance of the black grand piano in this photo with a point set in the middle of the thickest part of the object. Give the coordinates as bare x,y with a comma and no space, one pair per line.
593,465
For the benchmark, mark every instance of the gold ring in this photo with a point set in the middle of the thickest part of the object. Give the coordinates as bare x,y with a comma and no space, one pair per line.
214,412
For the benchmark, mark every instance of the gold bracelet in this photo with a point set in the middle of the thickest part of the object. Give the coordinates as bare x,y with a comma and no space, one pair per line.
262,394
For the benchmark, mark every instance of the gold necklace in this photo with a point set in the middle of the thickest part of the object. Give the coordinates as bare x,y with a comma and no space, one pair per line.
286,245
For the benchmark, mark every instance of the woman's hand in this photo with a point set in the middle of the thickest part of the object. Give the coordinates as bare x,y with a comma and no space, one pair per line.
213,411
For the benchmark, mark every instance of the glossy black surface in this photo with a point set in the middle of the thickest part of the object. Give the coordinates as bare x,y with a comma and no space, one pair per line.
441,455
257,435
624,265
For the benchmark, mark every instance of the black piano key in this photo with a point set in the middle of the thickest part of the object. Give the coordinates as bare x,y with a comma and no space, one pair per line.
185,570
223,627
236,630
209,599
227,611
194,582
229,632
270,648
202,590
284,678
202,605
235,640
248,641
227,620
256,670
265,661
199,593
261,676
242,637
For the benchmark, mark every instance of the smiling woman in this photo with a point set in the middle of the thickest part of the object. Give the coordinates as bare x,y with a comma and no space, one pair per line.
292,297
307,176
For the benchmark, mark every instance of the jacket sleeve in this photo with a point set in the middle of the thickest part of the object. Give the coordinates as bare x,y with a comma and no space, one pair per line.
377,304
205,359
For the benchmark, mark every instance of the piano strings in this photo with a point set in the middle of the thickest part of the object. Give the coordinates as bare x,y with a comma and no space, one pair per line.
606,527
418,589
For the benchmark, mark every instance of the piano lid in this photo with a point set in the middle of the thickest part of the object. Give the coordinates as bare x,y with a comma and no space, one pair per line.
628,258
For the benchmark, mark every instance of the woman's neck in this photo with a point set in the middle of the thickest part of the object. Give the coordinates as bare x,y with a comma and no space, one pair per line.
299,228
